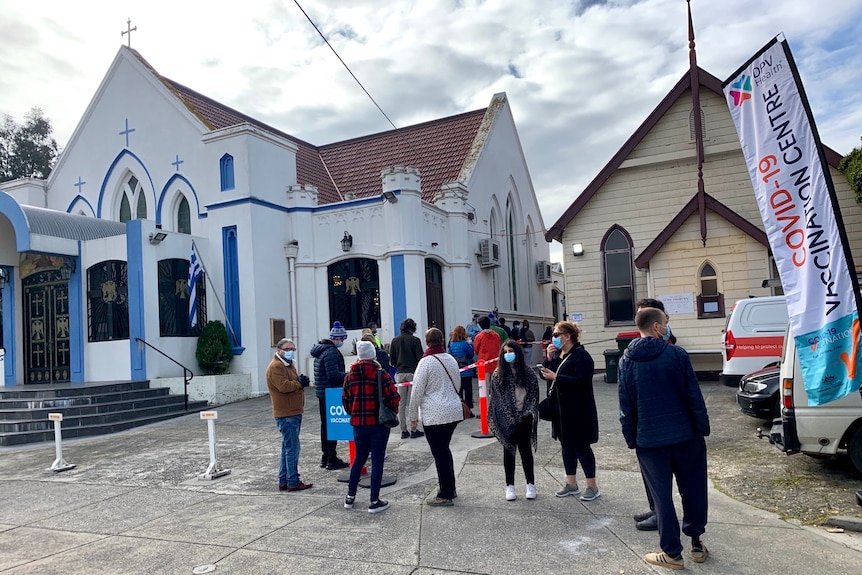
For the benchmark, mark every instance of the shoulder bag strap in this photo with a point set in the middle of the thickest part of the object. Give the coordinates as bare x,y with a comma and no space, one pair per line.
447,373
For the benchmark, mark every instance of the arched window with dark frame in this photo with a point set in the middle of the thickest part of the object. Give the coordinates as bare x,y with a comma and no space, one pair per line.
354,293
710,301
226,172
108,301
174,299
184,217
618,278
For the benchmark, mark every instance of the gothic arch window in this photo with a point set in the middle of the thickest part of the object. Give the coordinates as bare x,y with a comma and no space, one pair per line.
710,301
174,299
108,301
132,194
226,171
618,278
184,217
691,132
513,255
354,293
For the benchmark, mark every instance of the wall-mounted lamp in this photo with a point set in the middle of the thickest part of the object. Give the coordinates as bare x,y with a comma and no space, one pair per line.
577,250
434,244
346,242
66,269
157,237
390,197
4,276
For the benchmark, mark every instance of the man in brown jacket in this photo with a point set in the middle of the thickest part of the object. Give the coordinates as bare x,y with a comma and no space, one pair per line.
288,401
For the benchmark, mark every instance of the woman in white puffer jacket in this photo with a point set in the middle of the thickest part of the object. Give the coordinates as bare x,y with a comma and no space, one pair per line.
435,397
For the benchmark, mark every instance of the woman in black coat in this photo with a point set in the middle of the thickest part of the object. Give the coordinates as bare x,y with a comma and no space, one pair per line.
569,369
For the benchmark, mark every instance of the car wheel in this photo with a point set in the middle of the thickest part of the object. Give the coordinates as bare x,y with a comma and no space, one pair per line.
854,449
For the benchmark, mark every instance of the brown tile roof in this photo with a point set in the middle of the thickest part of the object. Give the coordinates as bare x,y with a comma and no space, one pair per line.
437,148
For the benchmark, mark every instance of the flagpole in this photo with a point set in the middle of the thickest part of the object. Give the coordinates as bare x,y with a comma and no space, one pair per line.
220,305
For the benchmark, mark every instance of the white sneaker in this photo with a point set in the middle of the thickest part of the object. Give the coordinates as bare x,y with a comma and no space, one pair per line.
510,493
531,491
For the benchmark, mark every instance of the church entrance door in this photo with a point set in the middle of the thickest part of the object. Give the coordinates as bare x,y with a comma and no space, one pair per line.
434,295
46,328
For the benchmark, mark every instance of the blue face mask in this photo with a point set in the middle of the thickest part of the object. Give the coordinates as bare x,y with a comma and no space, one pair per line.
288,355
509,356
558,342
666,335
339,343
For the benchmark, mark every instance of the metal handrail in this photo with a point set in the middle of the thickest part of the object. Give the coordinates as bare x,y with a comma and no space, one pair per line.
188,375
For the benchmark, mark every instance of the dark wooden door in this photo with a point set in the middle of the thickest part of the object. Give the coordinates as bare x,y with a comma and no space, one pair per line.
46,328
434,295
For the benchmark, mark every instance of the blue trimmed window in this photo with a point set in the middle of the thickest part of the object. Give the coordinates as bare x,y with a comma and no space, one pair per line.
184,217
230,255
226,170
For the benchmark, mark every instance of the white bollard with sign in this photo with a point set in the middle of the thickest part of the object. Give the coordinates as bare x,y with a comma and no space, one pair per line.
59,463
214,470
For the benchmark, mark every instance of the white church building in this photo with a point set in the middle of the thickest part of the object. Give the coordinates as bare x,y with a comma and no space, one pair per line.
434,221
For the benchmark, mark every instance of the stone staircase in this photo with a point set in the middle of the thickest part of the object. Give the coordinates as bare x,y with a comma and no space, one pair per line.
88,409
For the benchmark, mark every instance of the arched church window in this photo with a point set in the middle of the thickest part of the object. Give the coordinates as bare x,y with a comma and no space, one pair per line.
618,277
125,209
226,169
354,293
141,211
174,299
108,301
513,257
184,217
710,301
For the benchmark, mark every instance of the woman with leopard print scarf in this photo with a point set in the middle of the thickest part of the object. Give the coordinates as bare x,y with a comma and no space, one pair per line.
513,414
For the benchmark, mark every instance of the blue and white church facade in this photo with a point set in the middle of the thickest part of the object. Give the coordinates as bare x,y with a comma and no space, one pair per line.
434,221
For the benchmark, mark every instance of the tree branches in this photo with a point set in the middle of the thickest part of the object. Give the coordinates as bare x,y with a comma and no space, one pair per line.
27,150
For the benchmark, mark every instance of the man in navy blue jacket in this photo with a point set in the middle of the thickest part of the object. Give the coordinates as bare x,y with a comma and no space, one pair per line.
664,418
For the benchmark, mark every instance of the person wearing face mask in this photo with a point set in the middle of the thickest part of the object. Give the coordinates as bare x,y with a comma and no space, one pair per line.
664,418
329,373
513,414
288,402
569,369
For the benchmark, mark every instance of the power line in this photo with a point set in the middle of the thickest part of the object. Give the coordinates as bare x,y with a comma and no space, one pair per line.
346,67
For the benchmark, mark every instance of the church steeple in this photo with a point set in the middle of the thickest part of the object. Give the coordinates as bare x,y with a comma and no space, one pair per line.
694,78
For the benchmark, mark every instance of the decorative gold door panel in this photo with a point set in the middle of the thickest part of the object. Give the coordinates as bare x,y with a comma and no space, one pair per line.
46,328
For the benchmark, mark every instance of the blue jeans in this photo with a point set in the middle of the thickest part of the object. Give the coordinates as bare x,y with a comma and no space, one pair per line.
368,439
288,464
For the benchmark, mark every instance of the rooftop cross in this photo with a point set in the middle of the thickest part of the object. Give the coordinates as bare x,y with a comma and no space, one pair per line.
129,30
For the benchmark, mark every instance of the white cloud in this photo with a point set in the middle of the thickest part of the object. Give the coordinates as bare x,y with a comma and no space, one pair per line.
580,75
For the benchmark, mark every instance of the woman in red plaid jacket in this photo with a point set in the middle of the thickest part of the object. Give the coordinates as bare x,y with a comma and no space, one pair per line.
360,400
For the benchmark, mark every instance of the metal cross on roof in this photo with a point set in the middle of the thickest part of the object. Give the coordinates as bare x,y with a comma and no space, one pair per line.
129,30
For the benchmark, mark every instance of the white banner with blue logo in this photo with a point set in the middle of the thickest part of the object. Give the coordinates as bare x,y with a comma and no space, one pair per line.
801,217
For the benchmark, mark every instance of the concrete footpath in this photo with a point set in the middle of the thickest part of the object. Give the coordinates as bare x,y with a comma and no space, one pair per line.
135,505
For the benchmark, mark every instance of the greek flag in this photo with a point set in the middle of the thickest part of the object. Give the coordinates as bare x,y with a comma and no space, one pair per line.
195,273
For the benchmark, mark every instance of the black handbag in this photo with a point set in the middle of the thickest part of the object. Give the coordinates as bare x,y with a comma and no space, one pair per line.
385,416
549,408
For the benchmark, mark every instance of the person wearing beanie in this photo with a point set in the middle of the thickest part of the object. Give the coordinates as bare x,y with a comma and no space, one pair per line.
360,397
329,372
382,355
288,402
405,351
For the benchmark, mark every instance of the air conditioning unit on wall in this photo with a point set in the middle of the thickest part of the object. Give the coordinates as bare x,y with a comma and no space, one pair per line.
489,253
543,272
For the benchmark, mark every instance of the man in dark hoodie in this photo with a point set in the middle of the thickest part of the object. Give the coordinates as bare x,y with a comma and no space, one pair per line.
664,418
328,373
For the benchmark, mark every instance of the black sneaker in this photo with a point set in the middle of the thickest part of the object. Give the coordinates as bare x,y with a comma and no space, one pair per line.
348,501
405,435
377,506
638,517
336,463
323,460
416,434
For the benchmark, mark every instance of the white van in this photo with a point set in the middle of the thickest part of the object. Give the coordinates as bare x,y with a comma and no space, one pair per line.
753,337
815,430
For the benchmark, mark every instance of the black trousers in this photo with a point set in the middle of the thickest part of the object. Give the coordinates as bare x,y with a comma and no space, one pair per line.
574,451
521,440
326,447
687,462
439,437
466,392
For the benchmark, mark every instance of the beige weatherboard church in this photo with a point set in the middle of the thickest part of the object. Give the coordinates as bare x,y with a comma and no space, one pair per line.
646,227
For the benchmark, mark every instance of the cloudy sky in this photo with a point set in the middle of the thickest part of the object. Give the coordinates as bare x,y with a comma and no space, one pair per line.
581,75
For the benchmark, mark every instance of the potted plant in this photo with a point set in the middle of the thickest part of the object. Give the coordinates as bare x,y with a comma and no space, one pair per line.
214,350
